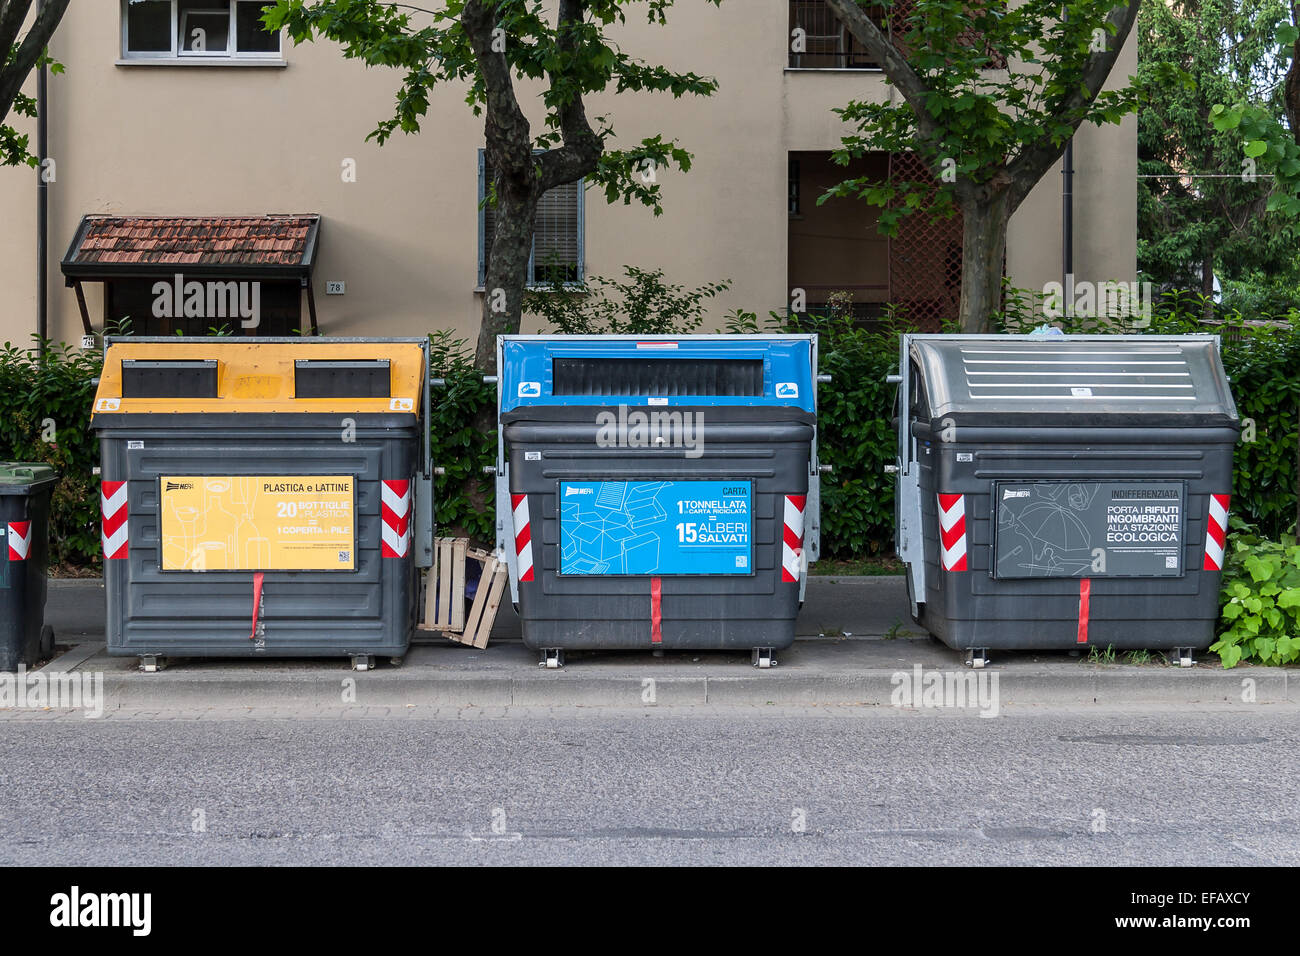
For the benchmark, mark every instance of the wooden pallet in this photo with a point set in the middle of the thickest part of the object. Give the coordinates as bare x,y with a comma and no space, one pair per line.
444,598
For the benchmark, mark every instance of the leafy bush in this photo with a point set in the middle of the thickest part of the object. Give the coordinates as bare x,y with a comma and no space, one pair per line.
1261,296
463,440
45,416
1260,614
643,304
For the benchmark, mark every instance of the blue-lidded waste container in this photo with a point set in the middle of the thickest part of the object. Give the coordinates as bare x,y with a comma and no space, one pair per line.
658,492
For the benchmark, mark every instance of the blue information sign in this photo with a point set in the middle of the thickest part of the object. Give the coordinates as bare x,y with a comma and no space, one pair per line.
656,527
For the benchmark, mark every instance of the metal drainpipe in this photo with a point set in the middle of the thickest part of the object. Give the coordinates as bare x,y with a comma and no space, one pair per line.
42,205
1067,209
1067,213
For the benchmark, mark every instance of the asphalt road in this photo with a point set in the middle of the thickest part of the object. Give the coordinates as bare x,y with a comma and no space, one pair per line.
869,786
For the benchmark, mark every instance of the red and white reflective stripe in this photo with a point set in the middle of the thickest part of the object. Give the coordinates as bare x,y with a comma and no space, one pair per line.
792,538
656,611
523,537
1216,532
20,540
112,497
1085,603
395,510
952,532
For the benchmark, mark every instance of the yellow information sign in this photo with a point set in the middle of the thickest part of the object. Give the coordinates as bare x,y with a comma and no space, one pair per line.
258,522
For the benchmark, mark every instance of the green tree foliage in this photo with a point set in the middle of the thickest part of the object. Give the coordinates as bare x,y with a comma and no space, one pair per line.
1202,206
987,134
487,45
1270,131
23,53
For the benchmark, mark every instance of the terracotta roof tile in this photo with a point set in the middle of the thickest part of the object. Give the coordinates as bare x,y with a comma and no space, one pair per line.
243,240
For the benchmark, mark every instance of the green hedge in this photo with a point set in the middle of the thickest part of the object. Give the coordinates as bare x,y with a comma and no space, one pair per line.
45,416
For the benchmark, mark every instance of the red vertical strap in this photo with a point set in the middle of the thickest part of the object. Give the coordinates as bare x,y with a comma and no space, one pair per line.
257,603
1085,591
656,611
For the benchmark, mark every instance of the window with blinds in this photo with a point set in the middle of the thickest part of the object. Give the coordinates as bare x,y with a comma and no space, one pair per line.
557,252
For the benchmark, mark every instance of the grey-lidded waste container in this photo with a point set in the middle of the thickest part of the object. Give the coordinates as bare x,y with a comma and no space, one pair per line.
1064,492
25,490
264,497
658,492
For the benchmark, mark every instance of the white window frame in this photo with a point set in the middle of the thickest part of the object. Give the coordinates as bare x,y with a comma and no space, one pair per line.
178,53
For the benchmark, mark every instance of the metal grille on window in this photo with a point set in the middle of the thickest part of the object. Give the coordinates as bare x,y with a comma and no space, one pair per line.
925,257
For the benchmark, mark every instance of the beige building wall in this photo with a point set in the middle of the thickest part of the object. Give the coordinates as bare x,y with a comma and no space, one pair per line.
240,140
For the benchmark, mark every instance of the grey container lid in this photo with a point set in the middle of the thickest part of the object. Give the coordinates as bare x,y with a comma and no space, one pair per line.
24,477
1001,376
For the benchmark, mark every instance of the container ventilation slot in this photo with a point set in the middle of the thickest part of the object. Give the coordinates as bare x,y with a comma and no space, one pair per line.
181,378
666,377
322,378
1044,372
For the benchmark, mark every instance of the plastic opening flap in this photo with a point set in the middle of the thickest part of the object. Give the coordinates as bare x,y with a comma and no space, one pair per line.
323,378
178,378
671,377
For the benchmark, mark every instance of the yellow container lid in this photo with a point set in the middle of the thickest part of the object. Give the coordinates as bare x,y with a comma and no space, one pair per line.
261,376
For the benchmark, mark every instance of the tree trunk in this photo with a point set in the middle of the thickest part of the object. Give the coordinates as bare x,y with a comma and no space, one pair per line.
507,269
984,241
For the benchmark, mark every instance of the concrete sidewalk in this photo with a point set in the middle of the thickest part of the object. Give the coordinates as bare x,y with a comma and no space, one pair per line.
856,646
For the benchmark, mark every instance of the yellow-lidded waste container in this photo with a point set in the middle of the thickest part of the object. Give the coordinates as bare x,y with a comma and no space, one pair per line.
268,497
